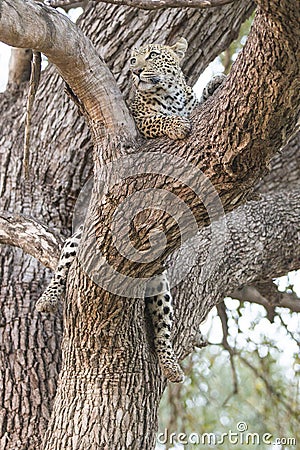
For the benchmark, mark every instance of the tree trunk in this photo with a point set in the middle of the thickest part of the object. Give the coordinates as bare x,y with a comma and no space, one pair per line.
30,353
62,164
110,385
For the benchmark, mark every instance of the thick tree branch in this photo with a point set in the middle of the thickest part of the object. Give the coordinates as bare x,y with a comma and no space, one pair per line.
234,137
74,56
259,244
98,366
206,40
151,4
32,237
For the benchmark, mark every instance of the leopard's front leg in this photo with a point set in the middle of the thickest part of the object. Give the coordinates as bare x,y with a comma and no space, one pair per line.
175,127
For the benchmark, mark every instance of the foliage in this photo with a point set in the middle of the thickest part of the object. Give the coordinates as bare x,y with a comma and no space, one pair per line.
229,55
267,394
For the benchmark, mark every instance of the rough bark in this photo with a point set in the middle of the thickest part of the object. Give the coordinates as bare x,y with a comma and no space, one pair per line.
284,169
259,245
238,132
105,345
30,354
61,163
19,67
32,237
146,4
252,235
118,352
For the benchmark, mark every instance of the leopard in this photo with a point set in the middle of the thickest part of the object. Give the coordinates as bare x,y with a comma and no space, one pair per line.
158,301
163,101
162,105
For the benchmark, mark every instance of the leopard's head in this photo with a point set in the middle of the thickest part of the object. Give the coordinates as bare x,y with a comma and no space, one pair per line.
156,64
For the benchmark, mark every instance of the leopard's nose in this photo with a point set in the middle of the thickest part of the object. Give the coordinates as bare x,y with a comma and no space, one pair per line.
137,71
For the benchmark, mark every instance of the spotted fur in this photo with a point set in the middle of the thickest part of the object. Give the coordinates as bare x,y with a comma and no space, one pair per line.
50,300
212,86
160,306
158,301
163,101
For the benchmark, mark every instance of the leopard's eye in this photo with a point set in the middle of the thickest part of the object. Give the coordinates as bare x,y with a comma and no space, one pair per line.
153,55
133,61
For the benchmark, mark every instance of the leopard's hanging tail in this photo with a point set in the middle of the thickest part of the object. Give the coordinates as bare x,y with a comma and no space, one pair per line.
160,306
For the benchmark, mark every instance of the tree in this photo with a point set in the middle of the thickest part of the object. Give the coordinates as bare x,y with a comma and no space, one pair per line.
110,385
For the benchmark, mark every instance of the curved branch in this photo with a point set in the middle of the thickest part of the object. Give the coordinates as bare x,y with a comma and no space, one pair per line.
151,4
74,56
251,294
32,237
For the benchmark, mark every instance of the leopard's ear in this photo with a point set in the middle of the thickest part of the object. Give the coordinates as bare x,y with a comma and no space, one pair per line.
180,47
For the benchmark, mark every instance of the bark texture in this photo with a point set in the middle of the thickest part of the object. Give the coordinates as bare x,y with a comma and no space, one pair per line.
259,245
284,169
19,67
144,4
32,237
109,386
30,354
61,162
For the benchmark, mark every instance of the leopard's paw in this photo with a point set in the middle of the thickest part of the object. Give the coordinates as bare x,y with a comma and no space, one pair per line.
168,361
177,127
172,371
47,303
212,86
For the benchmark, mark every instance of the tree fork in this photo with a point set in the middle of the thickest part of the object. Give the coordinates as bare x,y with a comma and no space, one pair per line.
119,346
